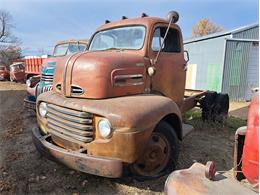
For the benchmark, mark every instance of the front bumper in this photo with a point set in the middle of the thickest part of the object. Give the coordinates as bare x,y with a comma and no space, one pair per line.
29,103
2,78
105,167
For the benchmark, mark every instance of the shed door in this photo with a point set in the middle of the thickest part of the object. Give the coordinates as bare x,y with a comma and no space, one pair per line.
253,70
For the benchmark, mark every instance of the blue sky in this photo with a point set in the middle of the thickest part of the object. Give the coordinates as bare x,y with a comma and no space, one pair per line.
41,23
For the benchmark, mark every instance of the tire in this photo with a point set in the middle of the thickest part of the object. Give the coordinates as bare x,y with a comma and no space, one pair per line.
208,104
220,110
168,154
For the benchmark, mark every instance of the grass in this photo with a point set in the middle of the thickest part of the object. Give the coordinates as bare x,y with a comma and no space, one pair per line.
194,118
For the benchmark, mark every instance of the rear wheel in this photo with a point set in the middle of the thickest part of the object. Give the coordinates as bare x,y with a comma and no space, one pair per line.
208,103
160,155
220,111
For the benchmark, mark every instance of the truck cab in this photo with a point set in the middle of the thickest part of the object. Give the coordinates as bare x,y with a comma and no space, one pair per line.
43,82
17,72
118,105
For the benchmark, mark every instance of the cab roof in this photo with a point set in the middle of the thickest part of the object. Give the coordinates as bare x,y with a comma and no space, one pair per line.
147,21
84,41
16,63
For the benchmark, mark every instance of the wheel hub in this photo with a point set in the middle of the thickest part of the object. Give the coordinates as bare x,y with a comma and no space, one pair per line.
155,156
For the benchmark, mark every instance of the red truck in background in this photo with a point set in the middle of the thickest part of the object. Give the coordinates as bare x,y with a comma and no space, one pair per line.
4,73
17,72
32,65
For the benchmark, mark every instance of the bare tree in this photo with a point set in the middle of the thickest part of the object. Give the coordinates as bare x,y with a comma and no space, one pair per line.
9,54
41,51
205,27
9,44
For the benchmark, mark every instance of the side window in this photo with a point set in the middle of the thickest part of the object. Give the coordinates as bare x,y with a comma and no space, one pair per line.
171,43
82,47
157,40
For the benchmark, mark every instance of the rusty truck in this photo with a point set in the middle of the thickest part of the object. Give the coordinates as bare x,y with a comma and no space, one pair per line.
117,108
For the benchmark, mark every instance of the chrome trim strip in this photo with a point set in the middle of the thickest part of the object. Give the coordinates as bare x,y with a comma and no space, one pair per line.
138,77
128,76
69,117
70,111
80,89
61,121
65,73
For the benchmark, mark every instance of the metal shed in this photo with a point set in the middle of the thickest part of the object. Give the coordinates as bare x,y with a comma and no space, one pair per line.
225,62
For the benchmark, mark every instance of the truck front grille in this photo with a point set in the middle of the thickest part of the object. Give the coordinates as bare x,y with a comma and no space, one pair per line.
40,89
71,125
48,78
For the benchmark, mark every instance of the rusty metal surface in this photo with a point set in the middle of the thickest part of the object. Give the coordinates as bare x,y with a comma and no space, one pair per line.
133,120
106,167
192,181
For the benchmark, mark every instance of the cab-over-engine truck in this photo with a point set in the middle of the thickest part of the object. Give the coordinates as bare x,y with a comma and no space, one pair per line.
118,106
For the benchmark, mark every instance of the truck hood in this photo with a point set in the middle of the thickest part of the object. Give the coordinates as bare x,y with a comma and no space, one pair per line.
101,74
48,64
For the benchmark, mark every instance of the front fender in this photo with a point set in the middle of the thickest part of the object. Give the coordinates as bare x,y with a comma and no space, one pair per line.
133,119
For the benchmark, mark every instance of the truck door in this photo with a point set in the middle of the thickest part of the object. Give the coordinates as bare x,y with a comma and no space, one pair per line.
169,78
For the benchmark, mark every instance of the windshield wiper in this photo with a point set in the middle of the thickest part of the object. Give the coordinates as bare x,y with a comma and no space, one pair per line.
113,48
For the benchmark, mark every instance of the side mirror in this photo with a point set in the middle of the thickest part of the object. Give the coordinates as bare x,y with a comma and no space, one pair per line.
186,56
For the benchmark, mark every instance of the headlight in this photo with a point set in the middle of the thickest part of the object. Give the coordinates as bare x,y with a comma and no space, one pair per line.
43,109
104,128
29,82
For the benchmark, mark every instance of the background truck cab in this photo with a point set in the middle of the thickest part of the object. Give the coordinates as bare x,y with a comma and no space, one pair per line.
39,84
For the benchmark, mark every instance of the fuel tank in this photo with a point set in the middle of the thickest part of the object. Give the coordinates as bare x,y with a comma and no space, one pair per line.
101,74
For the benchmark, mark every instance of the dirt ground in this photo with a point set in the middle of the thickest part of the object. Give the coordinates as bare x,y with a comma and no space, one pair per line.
24,171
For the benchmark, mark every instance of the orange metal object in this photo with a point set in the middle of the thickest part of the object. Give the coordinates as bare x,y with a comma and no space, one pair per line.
33,65
250,158
192,181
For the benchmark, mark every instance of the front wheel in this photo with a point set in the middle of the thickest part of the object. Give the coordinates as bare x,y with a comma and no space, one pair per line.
160,154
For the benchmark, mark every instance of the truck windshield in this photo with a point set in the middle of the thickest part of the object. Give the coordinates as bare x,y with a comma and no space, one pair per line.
68,48
15,67
130,37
